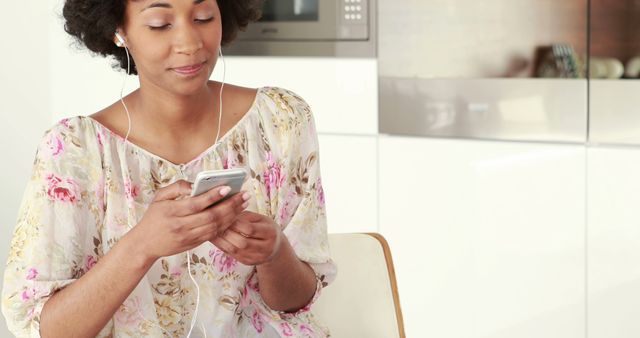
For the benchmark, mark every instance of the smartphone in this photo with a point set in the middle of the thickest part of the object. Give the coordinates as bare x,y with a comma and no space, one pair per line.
207,180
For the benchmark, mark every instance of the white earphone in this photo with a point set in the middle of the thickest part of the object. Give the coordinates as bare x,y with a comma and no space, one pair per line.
120,42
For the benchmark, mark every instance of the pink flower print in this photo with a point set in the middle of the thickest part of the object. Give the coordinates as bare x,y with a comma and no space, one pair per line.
286,330
306,330
253,284
229,162
28,294
129,313
131,190
222,261
99,191
32,274
25,296
244,298
176,271
320,192
31,312
285,213
100,140
257,322
63,190
273,175
117,224
90,262
55,147
64,122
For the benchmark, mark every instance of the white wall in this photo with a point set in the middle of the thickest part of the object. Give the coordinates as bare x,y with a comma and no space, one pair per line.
24,106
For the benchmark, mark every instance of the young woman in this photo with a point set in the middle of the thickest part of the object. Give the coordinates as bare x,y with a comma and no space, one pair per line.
107,221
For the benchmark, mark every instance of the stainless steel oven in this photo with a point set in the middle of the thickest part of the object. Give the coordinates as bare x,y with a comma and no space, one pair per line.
311,28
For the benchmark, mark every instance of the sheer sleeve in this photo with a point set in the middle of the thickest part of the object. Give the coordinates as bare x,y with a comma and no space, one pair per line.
53,242
301,203
294,187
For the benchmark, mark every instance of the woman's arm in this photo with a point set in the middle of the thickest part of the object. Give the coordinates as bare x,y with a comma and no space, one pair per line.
169,226
84,307
286,282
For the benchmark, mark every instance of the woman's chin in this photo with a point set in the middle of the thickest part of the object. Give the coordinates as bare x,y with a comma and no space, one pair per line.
190,84
188,88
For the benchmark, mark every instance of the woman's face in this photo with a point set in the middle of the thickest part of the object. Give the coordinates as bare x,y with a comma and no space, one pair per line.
174,43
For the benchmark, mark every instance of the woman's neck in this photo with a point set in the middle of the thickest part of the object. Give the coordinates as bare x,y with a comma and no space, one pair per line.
173,116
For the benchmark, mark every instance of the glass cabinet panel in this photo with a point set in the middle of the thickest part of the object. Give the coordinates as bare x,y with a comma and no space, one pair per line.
614,72
492,69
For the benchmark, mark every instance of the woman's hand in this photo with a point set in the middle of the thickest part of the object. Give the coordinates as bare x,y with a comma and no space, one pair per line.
176,222
286,282
252,239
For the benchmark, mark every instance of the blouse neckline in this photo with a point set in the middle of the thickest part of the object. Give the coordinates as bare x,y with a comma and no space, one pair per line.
208,150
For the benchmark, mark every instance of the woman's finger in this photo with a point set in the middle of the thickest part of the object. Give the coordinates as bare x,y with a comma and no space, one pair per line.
192,205
225,246
251,224
238,240
173,191
251,217
219,215
203,233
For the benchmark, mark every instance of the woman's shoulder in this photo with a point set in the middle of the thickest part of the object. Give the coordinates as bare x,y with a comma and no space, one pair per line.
72,137
286,104
71,129
288,116
275,99
284,96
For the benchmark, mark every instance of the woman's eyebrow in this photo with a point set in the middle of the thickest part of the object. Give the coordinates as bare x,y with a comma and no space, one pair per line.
167,5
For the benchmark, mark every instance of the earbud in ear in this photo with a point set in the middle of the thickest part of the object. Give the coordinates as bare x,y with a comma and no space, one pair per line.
120,42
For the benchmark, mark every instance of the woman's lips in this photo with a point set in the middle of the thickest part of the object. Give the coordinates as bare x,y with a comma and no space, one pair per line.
189,70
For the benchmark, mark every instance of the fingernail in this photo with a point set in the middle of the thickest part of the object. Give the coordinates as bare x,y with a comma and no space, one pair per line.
246,196
224,191
245,205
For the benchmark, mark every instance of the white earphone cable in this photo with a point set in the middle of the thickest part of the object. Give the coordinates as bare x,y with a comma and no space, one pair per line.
124,80
224,74
195,314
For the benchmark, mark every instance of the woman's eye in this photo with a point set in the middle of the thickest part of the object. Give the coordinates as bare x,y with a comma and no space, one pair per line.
159,27
204,20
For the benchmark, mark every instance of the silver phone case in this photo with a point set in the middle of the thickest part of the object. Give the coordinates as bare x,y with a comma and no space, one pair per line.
207,180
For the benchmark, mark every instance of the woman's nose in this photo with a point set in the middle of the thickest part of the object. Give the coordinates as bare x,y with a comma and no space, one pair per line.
187,41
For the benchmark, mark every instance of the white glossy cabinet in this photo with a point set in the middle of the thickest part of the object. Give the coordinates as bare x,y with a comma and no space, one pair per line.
488,238
349,178
613,241
343,92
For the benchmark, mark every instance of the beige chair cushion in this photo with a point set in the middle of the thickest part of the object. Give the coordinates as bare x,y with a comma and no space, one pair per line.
360,302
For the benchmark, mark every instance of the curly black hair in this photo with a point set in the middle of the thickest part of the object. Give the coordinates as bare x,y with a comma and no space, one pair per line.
93,23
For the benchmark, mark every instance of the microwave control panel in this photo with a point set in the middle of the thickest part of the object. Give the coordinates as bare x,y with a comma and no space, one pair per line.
354,18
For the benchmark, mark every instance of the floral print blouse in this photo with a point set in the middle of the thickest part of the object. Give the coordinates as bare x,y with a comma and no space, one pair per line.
89,187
